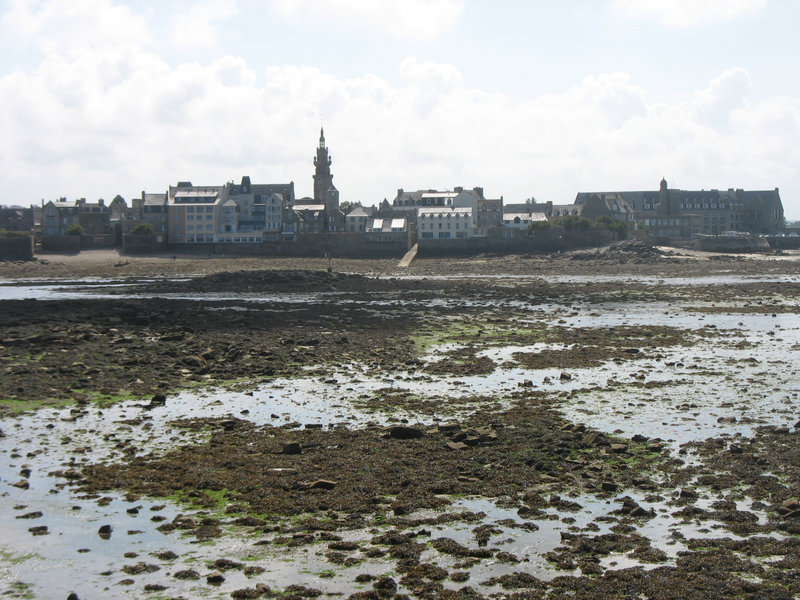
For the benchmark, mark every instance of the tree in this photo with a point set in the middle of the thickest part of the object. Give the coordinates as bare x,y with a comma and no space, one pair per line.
347,206
539,225
75,230
620,228
573,223
142,229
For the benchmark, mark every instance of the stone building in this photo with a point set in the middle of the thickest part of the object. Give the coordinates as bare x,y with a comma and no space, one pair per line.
59,216
679,213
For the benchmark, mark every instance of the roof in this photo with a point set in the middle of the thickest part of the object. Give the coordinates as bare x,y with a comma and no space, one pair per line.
386,225
154,199
195,195
439,194
360,211
444,210
309,207
524,216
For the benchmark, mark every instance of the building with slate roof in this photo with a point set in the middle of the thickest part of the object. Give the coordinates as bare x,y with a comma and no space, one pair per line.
679,213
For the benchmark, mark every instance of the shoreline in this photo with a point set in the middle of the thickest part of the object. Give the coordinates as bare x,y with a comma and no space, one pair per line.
607,260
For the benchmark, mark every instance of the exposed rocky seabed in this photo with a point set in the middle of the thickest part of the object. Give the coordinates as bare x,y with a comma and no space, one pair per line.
621,423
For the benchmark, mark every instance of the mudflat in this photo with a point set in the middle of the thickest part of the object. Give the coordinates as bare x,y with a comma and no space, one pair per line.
600,424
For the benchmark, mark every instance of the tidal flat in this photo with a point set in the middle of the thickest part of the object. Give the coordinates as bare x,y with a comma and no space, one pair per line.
598,425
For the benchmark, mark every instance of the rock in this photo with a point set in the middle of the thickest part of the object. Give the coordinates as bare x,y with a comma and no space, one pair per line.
224,564
31,515
73,596
105,531
292,448
385,584
687,494
140,568
322,484
187,574
2,435
784,509
565,376
39,530
456,445
609,486
619,448
403,432
156,401
246,593
215,578
22,484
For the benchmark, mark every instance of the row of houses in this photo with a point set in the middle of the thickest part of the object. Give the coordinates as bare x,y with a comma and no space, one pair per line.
257,213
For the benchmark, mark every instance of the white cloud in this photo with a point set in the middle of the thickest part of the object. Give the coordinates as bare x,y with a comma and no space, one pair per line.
97,123
401,19
196,26
686,13
727,91
70,27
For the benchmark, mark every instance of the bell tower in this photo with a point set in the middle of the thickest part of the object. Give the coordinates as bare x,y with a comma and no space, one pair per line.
323,180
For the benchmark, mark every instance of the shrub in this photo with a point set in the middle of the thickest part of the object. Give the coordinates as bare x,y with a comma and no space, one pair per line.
75,230
7,233
573,223
539,225
142,229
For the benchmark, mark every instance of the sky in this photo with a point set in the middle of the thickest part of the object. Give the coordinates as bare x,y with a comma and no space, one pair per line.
525,98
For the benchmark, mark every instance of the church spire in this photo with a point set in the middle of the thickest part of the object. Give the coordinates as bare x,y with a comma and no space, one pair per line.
323,179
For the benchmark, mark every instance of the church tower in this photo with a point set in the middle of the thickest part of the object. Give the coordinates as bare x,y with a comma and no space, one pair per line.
324,190
323,180
665,198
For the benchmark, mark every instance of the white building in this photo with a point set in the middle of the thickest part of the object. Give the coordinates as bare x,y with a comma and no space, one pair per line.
444,222
521,220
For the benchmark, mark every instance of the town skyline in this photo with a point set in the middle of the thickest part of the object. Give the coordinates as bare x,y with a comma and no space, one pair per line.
104,98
